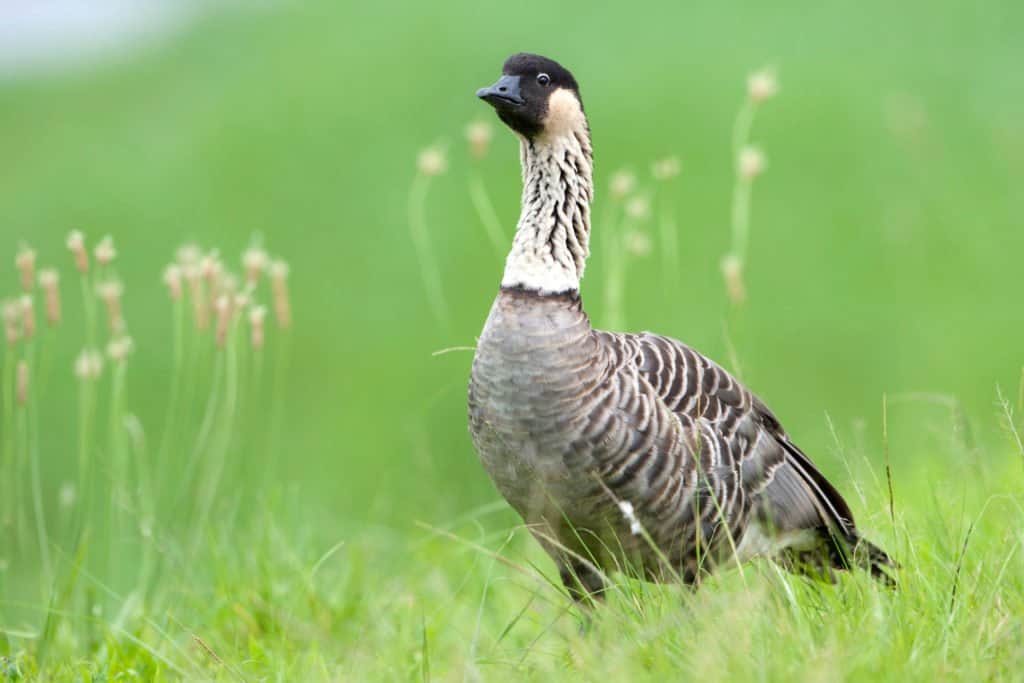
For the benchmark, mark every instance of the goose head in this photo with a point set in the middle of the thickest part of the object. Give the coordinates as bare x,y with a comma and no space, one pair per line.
536,97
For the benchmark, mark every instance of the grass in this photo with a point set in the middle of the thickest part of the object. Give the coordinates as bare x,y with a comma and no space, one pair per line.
463,603
319,514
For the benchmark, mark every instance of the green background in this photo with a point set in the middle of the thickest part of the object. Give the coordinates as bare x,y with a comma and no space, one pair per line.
886,238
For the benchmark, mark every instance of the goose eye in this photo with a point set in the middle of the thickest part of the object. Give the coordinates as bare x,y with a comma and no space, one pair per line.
543,79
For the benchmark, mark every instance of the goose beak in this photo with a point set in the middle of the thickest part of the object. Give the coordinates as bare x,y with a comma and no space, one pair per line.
503,94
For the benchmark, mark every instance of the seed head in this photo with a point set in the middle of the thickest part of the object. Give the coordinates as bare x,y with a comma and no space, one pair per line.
762,85
211,268
732,272
105,252
119,348
222,305
48,277
432,161
188,254
22,382
110,292
28,316
256,318
26,264
88,364
279,284
254,261
76,244
638,208
479,134
665,169
49,281
12,322
751,163
622,184
637,243
172,278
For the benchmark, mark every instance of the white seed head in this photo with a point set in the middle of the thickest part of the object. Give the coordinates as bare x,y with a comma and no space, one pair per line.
28,315
119,348
76,240
479,134
12,322
257,315
222,306
280,270
172,278
622,183
12,311
211,267
88,364
188,254
76,244
638,208
105,252
111,290
665,169
751,163
254,261
48,278
432,161
25,261
762,85
636,243
732,272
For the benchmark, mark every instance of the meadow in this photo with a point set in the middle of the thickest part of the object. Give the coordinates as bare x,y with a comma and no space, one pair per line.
273,481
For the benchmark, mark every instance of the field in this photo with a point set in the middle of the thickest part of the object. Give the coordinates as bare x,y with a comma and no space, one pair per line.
313,509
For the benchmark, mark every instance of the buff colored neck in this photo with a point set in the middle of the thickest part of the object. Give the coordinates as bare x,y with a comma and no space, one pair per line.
553,234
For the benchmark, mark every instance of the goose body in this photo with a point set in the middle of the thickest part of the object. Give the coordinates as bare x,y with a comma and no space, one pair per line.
625,450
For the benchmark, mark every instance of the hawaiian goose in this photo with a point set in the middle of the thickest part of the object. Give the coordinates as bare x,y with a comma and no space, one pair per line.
625,450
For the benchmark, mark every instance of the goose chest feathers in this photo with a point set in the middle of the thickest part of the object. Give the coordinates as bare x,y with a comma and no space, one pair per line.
594,436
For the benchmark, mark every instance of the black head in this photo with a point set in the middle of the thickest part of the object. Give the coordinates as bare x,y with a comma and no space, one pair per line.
523,95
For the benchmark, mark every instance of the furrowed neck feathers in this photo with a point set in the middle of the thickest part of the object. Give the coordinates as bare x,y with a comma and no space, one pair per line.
552,238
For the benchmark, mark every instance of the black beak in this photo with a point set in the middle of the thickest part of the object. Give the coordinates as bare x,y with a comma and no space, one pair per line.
502,94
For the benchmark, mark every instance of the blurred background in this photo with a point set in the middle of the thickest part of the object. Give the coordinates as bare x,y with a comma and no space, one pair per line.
885,243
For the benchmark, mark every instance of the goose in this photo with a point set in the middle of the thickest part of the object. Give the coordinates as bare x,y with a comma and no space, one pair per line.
626,450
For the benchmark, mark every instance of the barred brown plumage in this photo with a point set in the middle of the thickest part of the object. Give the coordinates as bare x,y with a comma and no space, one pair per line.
593,436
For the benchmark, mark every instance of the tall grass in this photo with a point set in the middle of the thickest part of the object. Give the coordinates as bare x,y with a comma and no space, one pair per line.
131,519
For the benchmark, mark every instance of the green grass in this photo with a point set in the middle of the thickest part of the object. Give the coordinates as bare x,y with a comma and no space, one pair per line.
336,524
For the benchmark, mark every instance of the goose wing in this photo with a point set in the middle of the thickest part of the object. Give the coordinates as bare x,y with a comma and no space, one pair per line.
790,494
